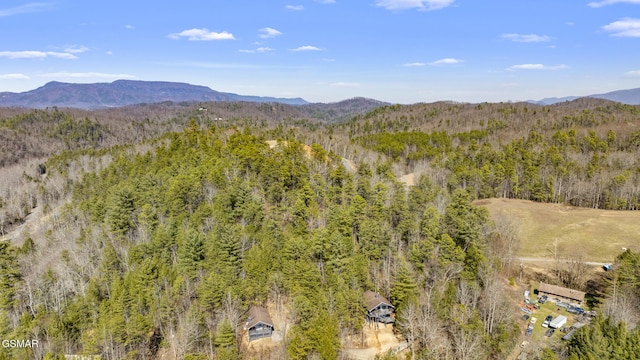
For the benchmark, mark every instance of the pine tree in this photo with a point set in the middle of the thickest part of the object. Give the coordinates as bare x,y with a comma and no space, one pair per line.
191,253
120,208
404,287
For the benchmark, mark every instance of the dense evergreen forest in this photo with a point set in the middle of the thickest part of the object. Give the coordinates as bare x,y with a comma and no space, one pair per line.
158,229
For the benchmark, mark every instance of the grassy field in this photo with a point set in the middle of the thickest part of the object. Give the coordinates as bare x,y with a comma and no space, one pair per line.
588,234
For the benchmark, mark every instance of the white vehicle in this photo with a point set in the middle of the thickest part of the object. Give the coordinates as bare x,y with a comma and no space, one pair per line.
558,322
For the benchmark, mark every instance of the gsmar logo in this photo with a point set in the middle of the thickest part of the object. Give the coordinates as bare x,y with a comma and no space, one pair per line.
19,343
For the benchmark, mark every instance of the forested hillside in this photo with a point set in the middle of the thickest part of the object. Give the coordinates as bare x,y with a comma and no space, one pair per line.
158,227
583,153
163,251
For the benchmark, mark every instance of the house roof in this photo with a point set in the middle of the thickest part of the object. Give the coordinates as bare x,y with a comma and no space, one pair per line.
561,291
373,300
258,315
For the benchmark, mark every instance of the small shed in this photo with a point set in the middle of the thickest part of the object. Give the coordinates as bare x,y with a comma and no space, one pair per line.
379,309
259,324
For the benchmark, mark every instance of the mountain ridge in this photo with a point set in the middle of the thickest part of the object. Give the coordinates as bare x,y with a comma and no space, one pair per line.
122,93
627,96
119,93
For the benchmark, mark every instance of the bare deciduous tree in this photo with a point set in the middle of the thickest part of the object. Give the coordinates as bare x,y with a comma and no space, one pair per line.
506,240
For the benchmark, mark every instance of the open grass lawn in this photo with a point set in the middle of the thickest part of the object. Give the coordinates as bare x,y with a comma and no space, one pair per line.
588,234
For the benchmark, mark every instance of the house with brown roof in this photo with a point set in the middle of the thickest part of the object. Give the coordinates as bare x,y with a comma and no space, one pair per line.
259,324
379,309
564,294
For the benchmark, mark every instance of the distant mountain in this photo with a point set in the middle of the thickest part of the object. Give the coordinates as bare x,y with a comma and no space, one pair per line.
553,100
340,111
630,97
122,93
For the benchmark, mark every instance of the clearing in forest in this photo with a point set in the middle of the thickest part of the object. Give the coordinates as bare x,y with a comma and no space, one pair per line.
570,232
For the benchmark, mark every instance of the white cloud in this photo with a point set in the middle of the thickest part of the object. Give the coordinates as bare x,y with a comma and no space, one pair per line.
627,27
13,77
446,61
414,64
24,9
327,1
414,4
344,84
36,54
307,48
75,49
526,38
611,2
295,7
130,27
633,73
109,52
537,67
84,75
258,50
202,35
266,33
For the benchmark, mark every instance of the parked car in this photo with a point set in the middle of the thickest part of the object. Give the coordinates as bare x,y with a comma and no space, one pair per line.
575,310
524,344
542,299
549,332
525,317
526,310
529,331
547,320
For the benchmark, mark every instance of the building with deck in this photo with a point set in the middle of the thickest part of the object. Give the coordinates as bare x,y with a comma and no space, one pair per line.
259,324
379,309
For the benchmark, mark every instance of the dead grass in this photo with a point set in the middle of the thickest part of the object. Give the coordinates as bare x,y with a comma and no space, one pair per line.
589,234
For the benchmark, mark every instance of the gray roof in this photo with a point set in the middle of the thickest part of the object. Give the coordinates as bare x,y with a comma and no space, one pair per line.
372,300
258,315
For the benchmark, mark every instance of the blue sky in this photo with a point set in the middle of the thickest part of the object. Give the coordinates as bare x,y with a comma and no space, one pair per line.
402,51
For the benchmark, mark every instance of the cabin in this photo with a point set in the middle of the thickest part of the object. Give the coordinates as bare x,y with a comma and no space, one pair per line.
379,309
564,294
259,324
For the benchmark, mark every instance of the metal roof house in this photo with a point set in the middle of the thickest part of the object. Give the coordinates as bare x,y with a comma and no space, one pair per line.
561,292
259,324
379,309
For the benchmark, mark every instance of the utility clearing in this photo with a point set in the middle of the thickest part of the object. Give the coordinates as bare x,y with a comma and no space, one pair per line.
558,231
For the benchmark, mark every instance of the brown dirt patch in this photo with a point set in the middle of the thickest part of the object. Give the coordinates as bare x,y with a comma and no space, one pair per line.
376,341
408,179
